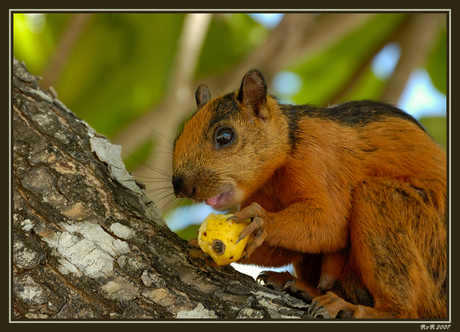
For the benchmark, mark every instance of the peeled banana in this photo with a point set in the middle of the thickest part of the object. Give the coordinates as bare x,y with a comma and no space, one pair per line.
217,237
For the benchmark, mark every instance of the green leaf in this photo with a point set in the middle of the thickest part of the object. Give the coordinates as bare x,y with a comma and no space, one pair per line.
436,65
230,38
188,232
436,126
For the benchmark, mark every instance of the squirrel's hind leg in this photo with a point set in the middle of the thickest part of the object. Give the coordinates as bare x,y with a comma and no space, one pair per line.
389,228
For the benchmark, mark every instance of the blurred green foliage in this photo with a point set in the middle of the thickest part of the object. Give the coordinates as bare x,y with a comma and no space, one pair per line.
437,64
188,232
134,159
229,39
436,126
329,69
122,62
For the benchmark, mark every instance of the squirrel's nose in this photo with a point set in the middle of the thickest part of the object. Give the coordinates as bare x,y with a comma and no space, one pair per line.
181,188
178,185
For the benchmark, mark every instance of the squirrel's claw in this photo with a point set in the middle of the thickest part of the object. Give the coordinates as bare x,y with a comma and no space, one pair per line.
257,226
258,215
330,305
235,218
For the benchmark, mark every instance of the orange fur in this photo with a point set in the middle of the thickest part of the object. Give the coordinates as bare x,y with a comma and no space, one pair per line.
357,209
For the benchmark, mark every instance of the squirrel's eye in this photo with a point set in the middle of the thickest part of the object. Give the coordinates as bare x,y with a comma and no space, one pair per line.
224,136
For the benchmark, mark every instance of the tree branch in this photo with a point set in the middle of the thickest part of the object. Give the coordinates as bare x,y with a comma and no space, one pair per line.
415,41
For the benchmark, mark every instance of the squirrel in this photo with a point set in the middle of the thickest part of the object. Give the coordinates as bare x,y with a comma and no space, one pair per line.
352,195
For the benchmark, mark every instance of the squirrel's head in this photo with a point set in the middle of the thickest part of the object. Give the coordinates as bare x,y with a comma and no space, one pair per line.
230,146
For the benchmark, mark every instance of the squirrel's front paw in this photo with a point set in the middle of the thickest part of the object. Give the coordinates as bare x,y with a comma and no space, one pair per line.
257,226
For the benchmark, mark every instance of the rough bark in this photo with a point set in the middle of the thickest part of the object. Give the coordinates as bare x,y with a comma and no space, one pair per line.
87,243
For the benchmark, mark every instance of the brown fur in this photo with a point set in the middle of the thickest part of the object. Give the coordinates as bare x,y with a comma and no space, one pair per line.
357,209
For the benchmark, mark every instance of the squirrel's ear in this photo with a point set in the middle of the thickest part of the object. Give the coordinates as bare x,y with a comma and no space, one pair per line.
202,95
253,92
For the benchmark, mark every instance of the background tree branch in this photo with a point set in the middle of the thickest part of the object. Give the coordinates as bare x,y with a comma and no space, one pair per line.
88,243
416,42
66,45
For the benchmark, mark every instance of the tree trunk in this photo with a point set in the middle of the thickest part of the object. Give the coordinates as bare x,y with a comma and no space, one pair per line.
88,243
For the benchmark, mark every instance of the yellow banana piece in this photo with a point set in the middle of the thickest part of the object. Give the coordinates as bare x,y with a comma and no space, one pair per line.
217,237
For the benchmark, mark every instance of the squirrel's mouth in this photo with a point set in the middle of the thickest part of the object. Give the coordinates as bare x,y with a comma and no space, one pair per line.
222,201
